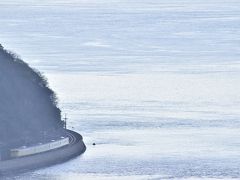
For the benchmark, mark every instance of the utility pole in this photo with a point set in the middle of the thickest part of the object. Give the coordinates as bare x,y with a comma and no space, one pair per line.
65,121
44,136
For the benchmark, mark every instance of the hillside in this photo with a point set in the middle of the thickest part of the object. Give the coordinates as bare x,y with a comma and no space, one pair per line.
28,107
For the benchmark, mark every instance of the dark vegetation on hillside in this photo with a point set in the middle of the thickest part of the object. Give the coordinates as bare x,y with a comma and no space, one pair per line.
28,107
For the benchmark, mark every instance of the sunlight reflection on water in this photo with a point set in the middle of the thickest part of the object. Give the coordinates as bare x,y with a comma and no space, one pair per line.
155,84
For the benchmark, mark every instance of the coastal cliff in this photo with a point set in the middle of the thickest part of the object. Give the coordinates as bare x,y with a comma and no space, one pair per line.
29,116
28,107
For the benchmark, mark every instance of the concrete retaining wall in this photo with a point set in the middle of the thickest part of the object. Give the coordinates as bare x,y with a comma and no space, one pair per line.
26,151
44,159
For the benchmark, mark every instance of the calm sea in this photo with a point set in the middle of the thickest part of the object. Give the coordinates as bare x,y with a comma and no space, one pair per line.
154,83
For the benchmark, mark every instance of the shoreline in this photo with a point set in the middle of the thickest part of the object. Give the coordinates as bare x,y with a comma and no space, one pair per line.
45,159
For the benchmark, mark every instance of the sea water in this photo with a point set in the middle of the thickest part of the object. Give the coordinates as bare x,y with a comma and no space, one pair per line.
154,83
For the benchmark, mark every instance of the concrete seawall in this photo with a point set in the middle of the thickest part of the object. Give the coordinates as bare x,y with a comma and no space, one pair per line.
45,159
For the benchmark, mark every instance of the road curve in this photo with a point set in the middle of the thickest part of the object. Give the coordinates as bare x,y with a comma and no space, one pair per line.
23,164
